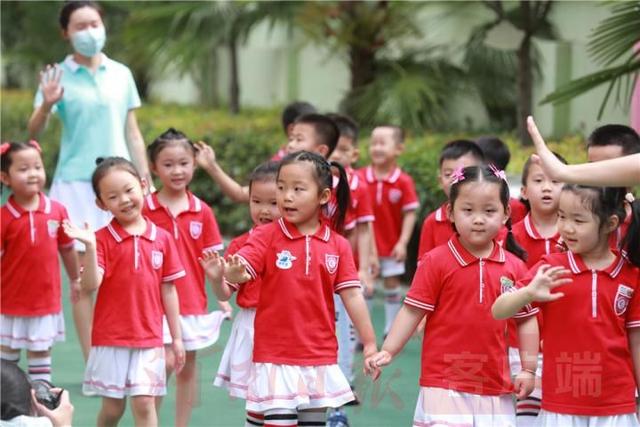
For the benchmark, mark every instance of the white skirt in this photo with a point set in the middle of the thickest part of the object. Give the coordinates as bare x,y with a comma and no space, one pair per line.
80,200
389,267
118,372
235,365
37,333
444,407
553,419
296,387
198,330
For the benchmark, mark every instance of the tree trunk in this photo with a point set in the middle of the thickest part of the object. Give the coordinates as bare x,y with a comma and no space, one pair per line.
234,85
525,74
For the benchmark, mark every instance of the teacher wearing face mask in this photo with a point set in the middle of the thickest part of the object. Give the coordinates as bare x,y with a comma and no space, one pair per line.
95,98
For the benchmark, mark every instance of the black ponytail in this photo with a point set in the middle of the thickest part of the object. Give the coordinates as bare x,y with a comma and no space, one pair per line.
512,245
631,242
324,179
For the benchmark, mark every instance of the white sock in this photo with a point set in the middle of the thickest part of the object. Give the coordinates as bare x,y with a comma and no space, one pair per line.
392,304
11,357
40,368
312,418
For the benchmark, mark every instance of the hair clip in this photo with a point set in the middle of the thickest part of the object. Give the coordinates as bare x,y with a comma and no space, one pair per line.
35,145
4,147
497,172
457,175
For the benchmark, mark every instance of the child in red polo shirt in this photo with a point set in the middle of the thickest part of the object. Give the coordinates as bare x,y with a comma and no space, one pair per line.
538,235
301,262
394,196
133,263
590,302
233,372
194,228
436,228
31,313
465,374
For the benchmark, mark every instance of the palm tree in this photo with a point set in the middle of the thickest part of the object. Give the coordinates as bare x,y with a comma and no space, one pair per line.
613,44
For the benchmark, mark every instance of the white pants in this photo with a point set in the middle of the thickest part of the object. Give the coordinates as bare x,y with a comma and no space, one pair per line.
552,419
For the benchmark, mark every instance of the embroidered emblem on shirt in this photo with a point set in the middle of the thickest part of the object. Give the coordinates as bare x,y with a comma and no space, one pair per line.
52,227
506,285
331,262
285,260
156,259
623,296
195,229
395,195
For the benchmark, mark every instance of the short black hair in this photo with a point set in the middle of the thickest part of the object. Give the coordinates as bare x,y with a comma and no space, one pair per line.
495,151
620,135
294,110
264,172
326,130
458,148
71,6
346,125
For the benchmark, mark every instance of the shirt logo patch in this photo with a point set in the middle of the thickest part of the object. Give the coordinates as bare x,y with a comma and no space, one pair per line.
506,285
331,262
52,227
621,302
156,259
285,260
195,229
395,195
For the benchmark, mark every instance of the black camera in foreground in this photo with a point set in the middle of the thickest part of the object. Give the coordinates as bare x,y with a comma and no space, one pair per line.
44,394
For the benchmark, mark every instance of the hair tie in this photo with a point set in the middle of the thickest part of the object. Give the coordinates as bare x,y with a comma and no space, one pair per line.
35,145
4,147
457,175
497,172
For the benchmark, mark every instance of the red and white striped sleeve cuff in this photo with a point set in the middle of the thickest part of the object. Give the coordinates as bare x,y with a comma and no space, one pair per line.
633,324
174,276
410,206
418,304
234,286
67,245
528,312
350,225
348,284
365,218
217,247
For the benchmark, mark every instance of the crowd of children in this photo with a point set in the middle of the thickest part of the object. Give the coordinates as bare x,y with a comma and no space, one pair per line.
530,307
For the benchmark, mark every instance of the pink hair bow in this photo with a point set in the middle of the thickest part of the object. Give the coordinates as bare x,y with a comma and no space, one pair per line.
4,147
497,172
457,175
35,145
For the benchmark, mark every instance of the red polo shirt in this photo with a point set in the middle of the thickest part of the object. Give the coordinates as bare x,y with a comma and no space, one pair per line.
464,347
531,241
295,318
249,292
518,210
361,210
194,230
391,197
129,308
436,230
30,267
587,362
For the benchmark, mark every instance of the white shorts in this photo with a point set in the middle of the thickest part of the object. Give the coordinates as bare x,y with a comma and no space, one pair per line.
296,387
443,407
198,331
235,365
80,200
37,333
389,267
553,419
118,372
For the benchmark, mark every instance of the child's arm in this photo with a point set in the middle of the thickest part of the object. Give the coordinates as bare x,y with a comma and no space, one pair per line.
172,313
71,264
546,279
529,337
374,261
399,252
91,276
403,326
634,346
214,268
363,233
619,172
356,307
206,159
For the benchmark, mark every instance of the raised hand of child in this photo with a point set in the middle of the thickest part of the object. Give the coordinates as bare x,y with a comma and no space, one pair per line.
551,165
236,272
524,383
546,279
205,156
399,252
50,86
179,354
214,265
84,235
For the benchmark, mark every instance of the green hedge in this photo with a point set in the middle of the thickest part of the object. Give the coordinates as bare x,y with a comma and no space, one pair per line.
241,142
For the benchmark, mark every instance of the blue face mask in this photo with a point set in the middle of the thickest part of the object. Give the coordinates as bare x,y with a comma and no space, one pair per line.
89,42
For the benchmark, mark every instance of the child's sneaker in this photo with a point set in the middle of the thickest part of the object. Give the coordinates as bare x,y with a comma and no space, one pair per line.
337,418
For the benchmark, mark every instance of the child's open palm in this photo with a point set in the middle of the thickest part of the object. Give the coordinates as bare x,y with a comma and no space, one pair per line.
236,272
546,279
214,265
84,235
205,156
